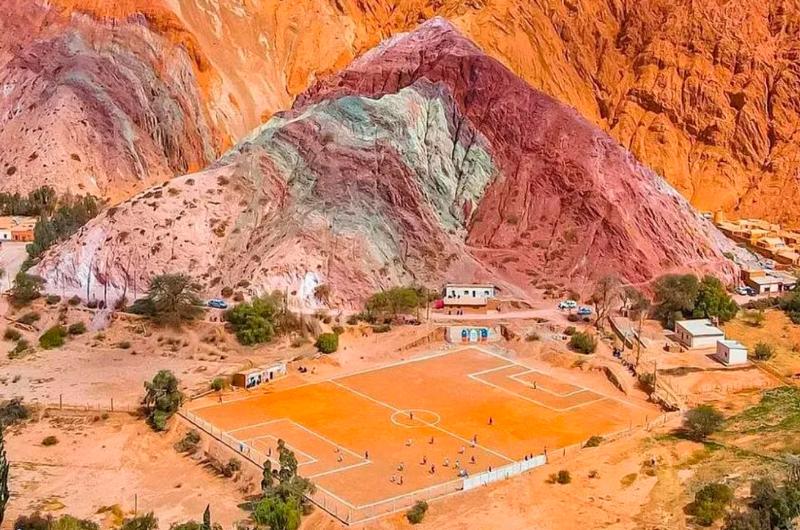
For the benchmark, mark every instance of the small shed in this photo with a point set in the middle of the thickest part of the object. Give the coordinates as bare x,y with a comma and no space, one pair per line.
698,333
731,352
255,376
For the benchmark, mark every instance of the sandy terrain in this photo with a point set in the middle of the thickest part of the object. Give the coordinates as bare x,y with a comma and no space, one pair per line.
115,461
777,330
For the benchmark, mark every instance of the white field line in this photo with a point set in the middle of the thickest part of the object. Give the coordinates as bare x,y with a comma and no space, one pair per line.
543,388
339,469
600,392
432,426
530,400
254,425
309,459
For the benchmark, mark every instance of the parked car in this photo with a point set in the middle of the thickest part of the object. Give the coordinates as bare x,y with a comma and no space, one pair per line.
745,291
216,303
585,311
567,304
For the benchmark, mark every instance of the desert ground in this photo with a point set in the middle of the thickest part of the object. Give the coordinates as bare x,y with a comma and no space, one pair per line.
640,480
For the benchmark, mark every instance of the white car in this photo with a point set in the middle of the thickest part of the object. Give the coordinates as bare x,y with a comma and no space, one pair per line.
567,304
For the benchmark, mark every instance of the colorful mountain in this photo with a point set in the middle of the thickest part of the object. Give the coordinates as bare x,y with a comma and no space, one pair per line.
424,161
704,93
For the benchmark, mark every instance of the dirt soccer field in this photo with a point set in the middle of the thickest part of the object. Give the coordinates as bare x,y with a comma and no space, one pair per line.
372,440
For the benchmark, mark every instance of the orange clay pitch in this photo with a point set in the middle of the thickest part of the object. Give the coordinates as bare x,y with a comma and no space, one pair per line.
353,434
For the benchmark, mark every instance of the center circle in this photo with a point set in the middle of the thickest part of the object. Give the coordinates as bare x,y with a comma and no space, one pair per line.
415,418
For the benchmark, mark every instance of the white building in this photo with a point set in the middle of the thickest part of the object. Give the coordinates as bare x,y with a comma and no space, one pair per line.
467,292
731,352
699,333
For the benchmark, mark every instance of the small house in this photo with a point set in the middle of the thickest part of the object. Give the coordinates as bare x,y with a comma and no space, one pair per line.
698,333
474,295
764,282
731,352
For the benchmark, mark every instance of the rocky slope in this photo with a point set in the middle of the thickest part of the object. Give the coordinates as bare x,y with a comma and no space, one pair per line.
705,93
99,108
423,161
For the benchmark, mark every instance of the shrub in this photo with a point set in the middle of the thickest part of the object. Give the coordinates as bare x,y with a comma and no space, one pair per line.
13,411
702,421
298,341
338,330
34,521
52,299
218,383
74,300
146,521
49,440
563,477
12,334
755,317
227,292
53,337
22,346
570,330
593,441
327,342
230,469
532,336
78,328
763,351
124,344
381,328
710,503
583,342
416,513
29,318
352,320
189,442
647,382
26,289
572,317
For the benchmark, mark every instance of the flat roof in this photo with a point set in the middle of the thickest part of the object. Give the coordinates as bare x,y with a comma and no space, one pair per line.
701,327
469,285
733,344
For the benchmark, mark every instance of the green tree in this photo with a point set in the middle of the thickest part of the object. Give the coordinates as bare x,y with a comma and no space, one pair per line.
162,398
27,288
174,299
327,342
4,469
710,503
395,301
674,294
702,421
277,513
254,322
267,480
713,301
288,462
790,304
59,219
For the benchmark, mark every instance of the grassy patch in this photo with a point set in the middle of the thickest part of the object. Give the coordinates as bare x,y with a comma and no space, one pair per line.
779,410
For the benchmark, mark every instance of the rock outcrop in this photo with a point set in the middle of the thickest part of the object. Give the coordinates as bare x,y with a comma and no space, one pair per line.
100,108
425,160
705,93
